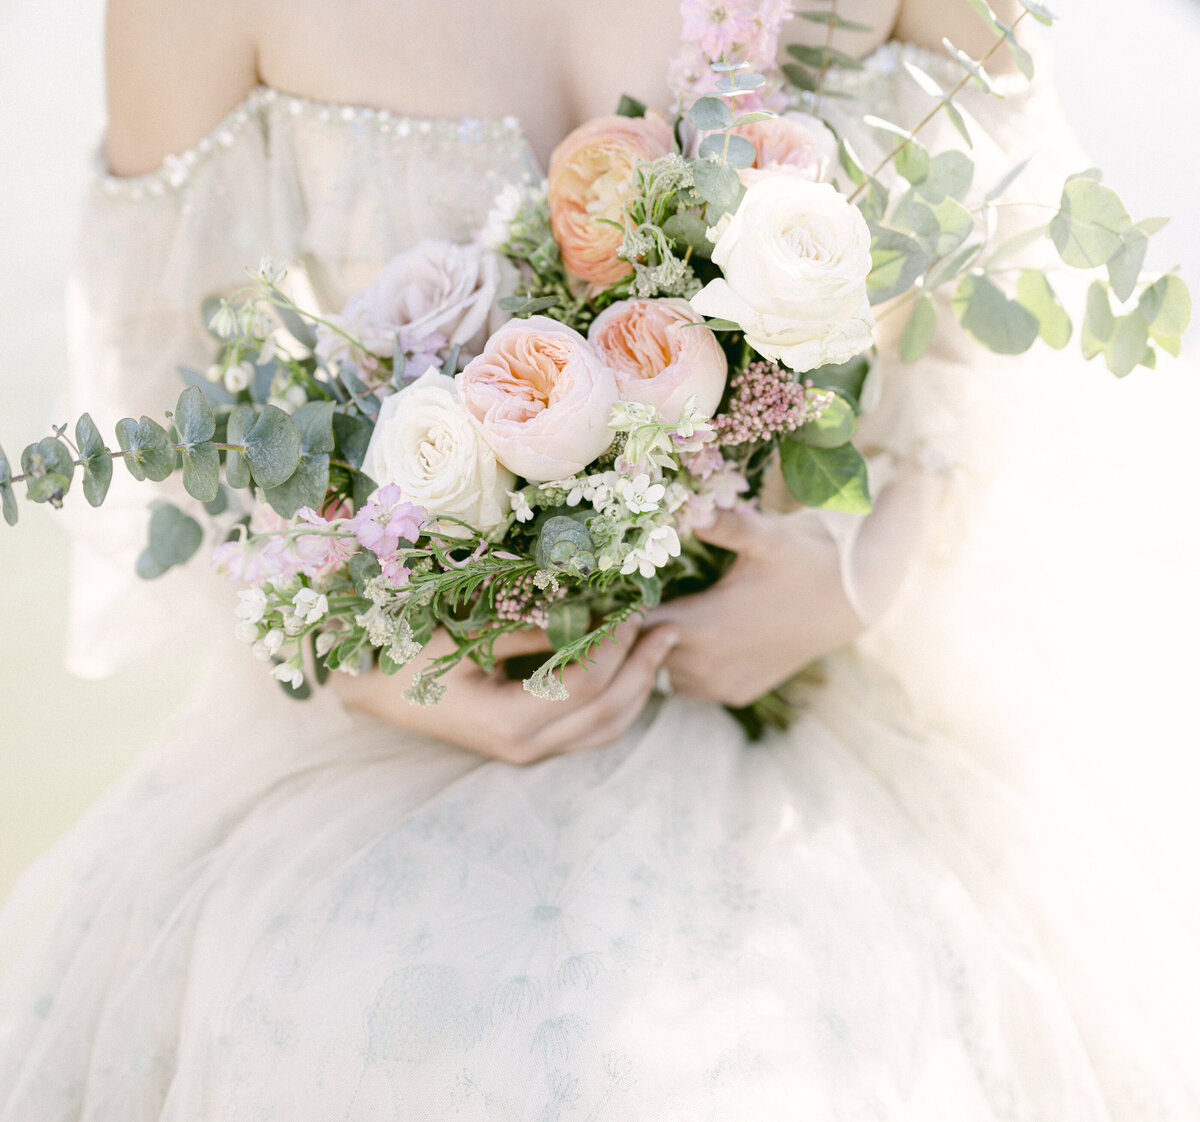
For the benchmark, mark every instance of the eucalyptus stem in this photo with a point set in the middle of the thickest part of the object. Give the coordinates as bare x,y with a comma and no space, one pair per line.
898,148
829,29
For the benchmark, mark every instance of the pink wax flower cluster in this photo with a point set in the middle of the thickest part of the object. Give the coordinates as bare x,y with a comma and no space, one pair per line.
767,401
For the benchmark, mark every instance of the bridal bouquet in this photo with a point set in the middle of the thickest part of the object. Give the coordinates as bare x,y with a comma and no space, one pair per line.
524,431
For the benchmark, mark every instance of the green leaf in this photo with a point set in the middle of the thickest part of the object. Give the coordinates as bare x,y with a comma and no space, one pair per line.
940,228
988,16
297,327
8,499
799,77
829,478
1021,56
1004,184
847,377
351,437
874,203
309,483
950,176
831,19
950,267
152,455
919,330
1166,306
1127,346
1151,226
96,460
739,154
650,589
973,67
1088,229
751,118
50,467
630,107
924,80
836,424
193,417
688,230
818,57
522,306
201,471
721,325
1098,320
219,504
887,126
569,621
272,448
739,82
174,538
851,164
237,471
709,114
1125,269
956,119
717,184
991,318
1035,295
896,263
1039,12
912,162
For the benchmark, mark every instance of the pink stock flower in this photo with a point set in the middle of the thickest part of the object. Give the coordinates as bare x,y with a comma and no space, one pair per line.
395,572
718,29
385,519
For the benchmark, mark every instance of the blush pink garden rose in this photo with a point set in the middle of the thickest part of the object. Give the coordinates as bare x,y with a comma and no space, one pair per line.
540,396
436,295
590,179
657,359
795,145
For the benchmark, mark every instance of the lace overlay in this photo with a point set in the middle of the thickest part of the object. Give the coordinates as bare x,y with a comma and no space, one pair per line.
919,904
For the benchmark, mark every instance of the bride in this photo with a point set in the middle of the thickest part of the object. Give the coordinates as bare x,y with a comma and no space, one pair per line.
913,905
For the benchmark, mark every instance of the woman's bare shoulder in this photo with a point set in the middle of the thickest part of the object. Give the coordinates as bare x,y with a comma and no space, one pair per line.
174,69
927,22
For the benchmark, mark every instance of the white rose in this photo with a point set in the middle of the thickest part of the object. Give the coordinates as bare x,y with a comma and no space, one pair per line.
795,258
436,295
426,444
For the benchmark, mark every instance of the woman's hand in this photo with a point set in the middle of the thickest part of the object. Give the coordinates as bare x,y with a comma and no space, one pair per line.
488,714
783,603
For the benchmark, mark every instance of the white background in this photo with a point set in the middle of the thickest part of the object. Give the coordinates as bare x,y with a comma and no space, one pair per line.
1126,80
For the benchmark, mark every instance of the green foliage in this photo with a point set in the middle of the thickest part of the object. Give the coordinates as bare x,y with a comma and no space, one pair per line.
734,151
1035,295
1166,306
569,622
717,184
918,332
991,318
1089,228
150,453
896,263
912,162
174,537
8,500
847,378
196,425
1126,347
830,478
1098,322
308,484
950,177
237,470
831,19
940,227
836,425
564,544
973,67
950,267
823,58
688,230
272,447
351,436
521,307
49,468
95,458
630,107
709,114
1039,11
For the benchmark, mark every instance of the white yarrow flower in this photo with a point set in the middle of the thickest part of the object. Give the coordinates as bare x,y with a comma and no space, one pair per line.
252,605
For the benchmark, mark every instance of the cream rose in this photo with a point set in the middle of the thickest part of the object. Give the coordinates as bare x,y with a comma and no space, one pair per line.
540,395
591,178
793,145
426,444
795,258
436,295
657,359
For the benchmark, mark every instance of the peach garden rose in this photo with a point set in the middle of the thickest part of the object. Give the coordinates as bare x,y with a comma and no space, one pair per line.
657,358
795,145
540,395
591,179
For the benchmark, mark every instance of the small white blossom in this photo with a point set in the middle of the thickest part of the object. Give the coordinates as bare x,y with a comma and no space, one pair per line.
326,641
224,321
545,581
238,377
271,271
269,645
290,674
310,605
639,495
215,373
505,207
424,691
520,506
246,631
252,604
546,686
657,548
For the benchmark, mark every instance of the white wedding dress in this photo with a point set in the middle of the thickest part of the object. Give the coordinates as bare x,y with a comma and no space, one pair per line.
927,902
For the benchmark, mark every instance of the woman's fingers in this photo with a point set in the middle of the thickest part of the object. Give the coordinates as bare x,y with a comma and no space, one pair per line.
744,530
529,640
605,716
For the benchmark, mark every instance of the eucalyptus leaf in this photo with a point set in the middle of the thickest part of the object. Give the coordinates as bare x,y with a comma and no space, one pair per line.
950,176
1089,227
851,163
1098,322
940,228
152,455
1016,244
1035,295
689,230
799,77
1021,56
823,57
1039,11
96,460
237,471
709,114
923,79
650,589
1127,345
174,538
1005,183
832,19
1125,269
847,378
950,267
751,118
630,107
988,16
918,332
912,162
739,83
734,151
1166,306
8,500
193,417
297,327
874,202
992,318
1151,226
973,67
836,424
272,447
887,126
956,119
351,436
826,478
201,471
308,484
362,489
896,263
717,324
219,504
569,621
717,184
522,306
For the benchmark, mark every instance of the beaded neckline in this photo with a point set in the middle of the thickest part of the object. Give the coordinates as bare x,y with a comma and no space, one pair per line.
177,170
